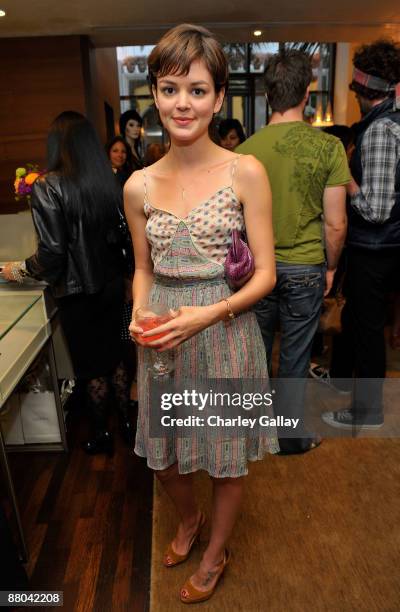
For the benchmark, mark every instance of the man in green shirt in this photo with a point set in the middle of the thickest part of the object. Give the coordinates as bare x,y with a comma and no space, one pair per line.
308,171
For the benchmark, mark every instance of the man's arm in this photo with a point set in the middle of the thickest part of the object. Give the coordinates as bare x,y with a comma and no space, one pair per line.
335,227
380,154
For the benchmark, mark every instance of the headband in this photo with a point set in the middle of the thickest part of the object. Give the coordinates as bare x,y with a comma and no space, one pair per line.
373,82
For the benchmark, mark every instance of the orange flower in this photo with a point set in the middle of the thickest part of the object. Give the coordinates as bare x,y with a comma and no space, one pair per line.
16,184
31,178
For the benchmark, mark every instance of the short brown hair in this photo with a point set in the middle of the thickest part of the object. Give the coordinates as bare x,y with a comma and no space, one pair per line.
287,76
181,46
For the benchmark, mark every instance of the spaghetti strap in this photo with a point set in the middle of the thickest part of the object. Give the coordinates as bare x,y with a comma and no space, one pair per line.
145,184
233,168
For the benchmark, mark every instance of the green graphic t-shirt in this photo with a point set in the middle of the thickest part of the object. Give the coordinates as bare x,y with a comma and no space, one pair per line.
301,161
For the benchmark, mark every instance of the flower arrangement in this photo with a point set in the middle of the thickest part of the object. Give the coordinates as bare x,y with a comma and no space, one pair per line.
24,179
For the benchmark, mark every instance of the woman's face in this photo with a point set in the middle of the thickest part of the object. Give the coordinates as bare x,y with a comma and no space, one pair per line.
231,140
117,155
132,129
186,103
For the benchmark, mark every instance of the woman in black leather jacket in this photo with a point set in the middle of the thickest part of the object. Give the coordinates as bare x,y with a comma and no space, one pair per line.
75,213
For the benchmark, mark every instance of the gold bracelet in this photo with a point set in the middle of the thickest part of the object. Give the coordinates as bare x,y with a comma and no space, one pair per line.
231,314
17,272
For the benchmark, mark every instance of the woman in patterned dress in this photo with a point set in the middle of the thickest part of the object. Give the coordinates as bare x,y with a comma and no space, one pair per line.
181,213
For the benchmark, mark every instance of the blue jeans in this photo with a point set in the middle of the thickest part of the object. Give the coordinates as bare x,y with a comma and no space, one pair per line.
294,306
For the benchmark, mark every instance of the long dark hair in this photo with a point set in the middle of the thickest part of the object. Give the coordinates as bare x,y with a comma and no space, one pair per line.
128,165
226,125
123,120
75,153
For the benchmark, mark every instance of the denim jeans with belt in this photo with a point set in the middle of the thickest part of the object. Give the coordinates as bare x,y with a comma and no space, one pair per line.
294,306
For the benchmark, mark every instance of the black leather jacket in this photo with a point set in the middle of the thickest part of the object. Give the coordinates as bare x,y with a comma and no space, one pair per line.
71,257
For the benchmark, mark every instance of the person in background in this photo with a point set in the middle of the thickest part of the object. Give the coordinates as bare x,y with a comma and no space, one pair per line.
120,155
346,136
130,127
308,171
121,158
75,213
231,134
373,240
154,152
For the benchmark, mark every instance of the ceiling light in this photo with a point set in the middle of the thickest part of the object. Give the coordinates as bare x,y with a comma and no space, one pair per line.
257,32
2,13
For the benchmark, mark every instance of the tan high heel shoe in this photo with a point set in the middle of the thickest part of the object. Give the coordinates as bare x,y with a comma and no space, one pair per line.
172,558
189,593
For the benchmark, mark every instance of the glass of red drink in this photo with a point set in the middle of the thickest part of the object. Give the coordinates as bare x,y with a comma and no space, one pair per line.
150,317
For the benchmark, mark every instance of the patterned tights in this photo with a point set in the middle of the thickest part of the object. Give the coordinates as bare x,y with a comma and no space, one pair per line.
99,391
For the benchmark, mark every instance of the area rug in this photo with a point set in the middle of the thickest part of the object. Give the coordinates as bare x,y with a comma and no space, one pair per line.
318,532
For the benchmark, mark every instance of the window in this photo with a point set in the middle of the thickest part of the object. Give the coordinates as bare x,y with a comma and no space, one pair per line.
245,99
135,92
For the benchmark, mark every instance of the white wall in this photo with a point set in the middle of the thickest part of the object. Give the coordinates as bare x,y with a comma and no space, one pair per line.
17,236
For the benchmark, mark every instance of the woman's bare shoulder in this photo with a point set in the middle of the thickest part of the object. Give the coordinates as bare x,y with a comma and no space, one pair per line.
134,190
251,177
135,182
250,168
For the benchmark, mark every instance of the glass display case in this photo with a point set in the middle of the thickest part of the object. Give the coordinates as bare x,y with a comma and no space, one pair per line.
12,308
24,329
31,414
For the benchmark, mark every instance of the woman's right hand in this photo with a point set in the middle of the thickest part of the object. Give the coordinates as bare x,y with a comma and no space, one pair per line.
135,332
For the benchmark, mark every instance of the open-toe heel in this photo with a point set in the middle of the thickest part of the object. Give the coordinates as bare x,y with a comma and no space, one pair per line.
172,558
189,593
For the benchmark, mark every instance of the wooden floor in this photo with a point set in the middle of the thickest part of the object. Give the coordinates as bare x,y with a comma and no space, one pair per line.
88,524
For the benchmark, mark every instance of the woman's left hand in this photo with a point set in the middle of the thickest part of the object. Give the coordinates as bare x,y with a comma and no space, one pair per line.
187,322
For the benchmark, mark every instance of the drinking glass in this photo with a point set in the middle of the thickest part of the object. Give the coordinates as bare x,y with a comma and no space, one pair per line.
149,317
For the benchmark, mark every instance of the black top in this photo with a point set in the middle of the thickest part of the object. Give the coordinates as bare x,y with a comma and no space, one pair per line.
72,256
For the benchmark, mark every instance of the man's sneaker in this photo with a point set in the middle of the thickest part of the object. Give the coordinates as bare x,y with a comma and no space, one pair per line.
322,375
345,419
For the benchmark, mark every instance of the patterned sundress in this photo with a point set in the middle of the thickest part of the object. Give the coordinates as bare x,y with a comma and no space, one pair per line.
188,256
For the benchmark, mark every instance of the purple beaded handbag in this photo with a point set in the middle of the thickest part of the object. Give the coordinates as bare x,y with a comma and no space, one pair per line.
239,262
